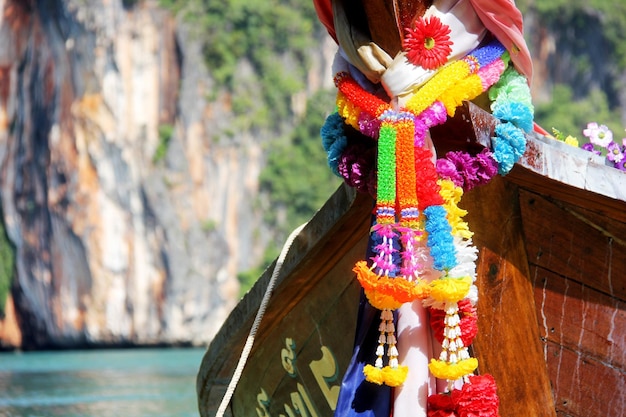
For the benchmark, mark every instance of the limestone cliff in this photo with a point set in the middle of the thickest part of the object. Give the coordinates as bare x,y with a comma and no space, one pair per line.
575,48
123,202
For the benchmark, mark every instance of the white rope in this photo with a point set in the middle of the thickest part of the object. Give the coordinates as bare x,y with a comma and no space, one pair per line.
257,321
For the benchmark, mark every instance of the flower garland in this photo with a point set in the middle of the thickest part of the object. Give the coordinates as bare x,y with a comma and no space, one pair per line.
419,229
511,104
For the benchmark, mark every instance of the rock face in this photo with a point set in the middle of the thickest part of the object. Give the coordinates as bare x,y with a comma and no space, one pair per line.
129,215
572,49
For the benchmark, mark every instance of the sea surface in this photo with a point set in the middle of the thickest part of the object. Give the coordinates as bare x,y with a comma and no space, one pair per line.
100,383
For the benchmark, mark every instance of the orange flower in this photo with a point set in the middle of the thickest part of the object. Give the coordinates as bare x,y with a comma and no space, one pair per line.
428,44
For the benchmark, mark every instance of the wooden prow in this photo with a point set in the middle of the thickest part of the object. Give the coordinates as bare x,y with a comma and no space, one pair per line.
408,10
387,19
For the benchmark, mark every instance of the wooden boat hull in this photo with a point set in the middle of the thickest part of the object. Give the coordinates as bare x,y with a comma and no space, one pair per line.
552,314
305,340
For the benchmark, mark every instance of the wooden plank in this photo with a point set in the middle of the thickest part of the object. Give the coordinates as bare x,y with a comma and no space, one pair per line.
573,166
564,239
381,21
585,387
552,189
299,363
577,262
548,167
508,344
580,319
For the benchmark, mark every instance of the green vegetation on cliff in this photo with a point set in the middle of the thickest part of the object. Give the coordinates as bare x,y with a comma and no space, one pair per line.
297,180
259,54
297,176
571,116
606,18
589,60
7,265
272,37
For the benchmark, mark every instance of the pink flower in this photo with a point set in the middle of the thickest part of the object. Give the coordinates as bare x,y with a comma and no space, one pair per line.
487,166
434,115
621,165
599,135
368,125
357,166
465,166
589,147
614,153
491,73
447,169
428,44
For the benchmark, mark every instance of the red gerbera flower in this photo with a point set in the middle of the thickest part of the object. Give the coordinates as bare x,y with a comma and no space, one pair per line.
428,44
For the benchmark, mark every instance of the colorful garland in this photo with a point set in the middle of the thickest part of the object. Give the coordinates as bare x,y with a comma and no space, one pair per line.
419,227
511,104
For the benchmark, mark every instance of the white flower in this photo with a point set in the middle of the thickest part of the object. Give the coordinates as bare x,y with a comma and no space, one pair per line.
598,135
466,256
472,295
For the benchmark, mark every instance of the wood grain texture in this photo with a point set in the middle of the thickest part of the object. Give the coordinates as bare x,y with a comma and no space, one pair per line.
586,246
571,190
381,20
508,344
584,386
577,262
580,318
584,342
387,19
326,317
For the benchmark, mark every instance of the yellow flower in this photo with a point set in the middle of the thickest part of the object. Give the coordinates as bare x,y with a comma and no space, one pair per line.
430,92
348,111
392,377
571,140
389,293
382,301
452,371
450,290
467,89
452,195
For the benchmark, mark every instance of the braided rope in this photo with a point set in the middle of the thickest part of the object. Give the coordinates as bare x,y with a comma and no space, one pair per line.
243,359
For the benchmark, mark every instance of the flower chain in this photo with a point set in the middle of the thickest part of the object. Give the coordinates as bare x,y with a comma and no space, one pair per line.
419,227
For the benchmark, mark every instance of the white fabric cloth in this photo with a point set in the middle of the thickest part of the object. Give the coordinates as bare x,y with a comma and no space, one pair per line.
403,78
399,77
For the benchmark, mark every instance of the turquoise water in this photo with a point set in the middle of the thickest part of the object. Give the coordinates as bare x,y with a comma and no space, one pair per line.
100,383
